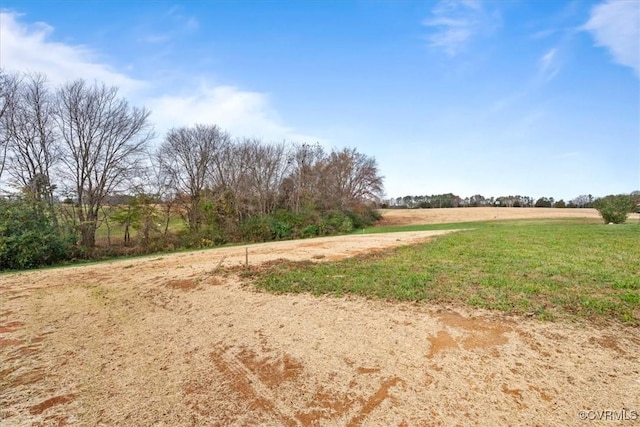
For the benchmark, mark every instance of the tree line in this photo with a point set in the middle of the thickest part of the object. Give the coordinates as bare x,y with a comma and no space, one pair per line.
450,200
78,157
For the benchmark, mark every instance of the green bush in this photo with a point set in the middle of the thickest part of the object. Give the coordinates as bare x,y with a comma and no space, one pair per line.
256,229
363,218
281,230
28,236
310,231
284,225
614,208
338,222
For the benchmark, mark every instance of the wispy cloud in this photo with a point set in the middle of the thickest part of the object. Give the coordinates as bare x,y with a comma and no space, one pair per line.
569,155
189,22
615,25
543,34
174,23
455,22
523,125
29,47
548,64
155,38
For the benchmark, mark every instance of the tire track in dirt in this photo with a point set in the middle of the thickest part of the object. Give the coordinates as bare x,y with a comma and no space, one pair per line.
256,381
249,387
374,401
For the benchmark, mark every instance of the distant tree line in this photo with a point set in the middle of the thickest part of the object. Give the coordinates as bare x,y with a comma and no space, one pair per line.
450,200
78,158
614,208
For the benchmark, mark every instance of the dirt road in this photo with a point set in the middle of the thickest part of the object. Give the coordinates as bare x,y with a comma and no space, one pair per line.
170,341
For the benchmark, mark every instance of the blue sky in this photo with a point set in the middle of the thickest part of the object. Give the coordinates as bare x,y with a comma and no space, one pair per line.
537,98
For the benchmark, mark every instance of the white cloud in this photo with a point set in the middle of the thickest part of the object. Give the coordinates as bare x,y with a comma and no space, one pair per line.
28,47
548,64
189,22
615,25
455,23
192,24
241,113
543,34
168,27
155,38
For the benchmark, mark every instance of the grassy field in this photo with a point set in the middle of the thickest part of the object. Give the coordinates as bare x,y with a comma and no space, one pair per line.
550,269
115,230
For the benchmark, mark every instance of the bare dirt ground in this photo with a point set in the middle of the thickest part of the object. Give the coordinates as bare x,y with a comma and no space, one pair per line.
168,340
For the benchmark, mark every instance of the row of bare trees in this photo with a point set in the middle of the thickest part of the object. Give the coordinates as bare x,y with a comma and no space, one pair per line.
82,142
83,135
248,177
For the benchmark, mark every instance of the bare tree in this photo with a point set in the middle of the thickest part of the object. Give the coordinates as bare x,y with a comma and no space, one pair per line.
9,84
160,184
583,201
187,155
230,184
302,187
267,166
103,146
33,147
350,179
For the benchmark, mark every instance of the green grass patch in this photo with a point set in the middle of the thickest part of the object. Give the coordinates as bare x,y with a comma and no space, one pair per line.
551,269
421,227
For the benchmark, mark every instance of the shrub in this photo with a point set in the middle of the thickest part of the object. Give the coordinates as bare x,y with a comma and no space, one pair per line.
614,208
310,231
286,225
28,237
281,230
256,229
361,218
338,222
